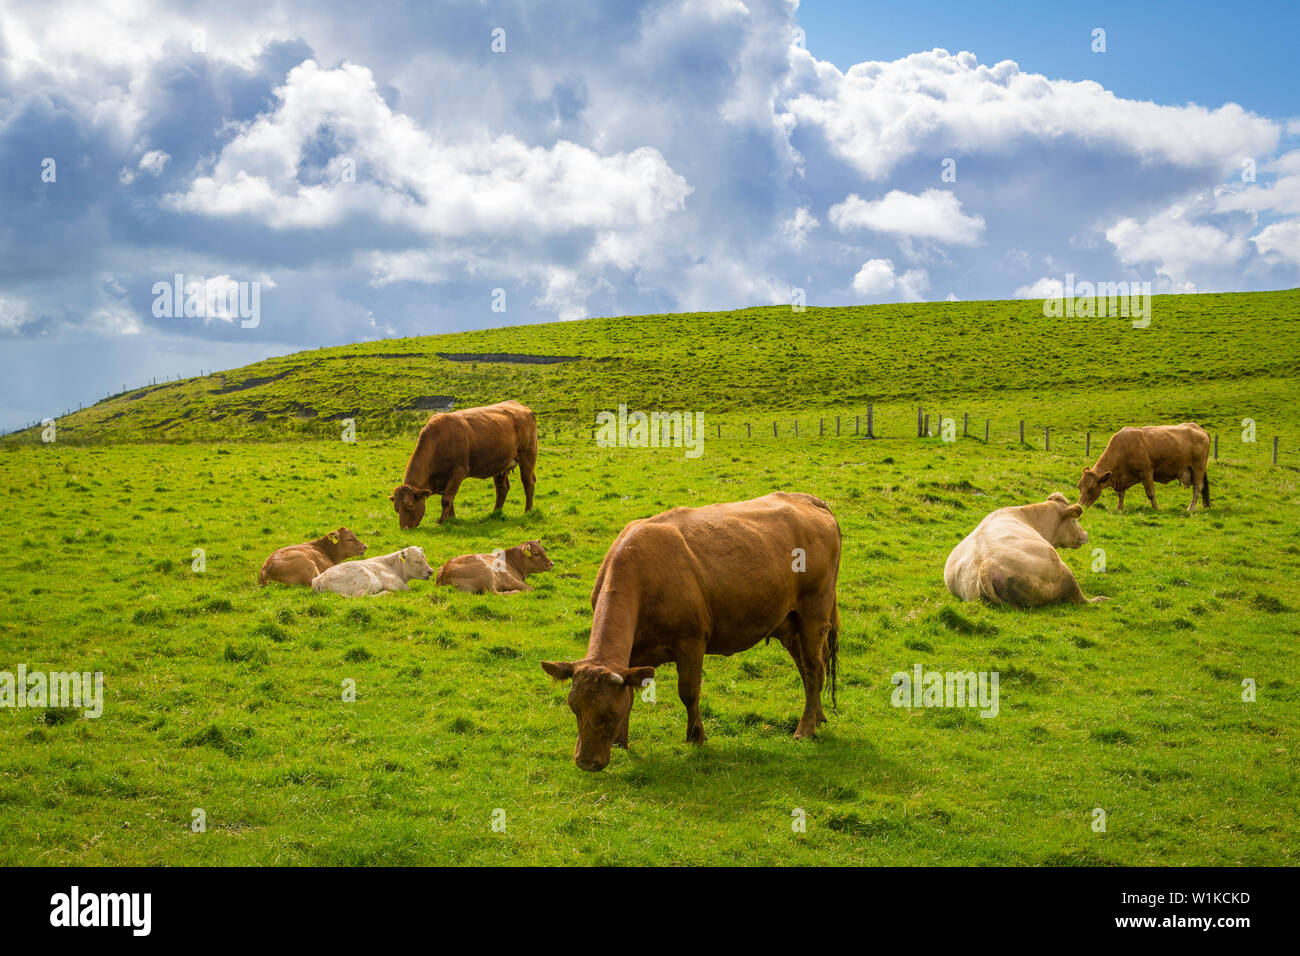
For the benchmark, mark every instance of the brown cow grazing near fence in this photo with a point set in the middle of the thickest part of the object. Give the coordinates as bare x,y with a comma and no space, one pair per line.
711,580
486,442
299,563
1149,454
501,572
1010,557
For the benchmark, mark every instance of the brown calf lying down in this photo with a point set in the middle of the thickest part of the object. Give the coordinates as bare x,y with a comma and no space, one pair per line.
375,575
1010,557
299,563
711,580
503,572
482,442
1146,455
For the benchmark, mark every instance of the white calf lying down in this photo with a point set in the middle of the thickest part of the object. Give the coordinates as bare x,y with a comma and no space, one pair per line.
1010,557
374,575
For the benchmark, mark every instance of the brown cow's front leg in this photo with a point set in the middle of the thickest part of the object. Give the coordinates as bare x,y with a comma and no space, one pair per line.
449,495
621,739
1150,488
503,486
1120,493
690,672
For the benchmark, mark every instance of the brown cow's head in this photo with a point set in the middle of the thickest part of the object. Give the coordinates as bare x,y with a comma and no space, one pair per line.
346,544
1090,485
1068,533
408,502
601,699
534,558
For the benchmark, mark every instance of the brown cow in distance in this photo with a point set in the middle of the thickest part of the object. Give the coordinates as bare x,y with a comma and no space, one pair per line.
299,563
501,572
486,442
710,580
1149,454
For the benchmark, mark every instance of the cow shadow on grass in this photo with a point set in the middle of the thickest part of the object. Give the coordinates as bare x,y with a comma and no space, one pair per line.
834,769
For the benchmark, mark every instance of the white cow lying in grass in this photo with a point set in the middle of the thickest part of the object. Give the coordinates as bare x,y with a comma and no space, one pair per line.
1010,557
374,575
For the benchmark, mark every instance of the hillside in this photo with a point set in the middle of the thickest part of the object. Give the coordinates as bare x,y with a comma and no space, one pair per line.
1190,363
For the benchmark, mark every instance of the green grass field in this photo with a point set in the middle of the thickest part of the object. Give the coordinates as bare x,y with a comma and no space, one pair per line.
227,697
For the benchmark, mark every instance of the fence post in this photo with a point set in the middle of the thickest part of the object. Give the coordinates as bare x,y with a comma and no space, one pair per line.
1087,445
821,427
774,435
796,428
1047,438
918,421
1216,446
986,431
857,424
1022,431
837,426
927,427
719,429
871,421
748,433
965,424
1275,449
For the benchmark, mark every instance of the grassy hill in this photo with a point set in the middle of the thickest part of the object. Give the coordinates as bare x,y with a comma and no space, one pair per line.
224,697
1200,357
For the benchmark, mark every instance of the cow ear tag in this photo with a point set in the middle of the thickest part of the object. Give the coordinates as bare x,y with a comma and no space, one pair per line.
403,557
334,537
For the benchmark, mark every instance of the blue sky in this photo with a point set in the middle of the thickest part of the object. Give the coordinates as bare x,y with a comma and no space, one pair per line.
466,164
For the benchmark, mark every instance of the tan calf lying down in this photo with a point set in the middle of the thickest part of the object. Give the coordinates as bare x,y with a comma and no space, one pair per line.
1010,557
501,571
375,575
300,563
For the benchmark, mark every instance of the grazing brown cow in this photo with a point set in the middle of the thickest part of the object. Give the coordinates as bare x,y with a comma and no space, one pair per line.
1149,454
1010,557
482,442
299,563
502,572
711,580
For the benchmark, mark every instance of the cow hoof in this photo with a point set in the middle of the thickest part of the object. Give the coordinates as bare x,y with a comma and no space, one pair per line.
695,735
805,733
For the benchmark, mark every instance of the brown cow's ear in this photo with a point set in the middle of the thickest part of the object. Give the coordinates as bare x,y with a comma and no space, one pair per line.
560,670
421,493
1074,511
635,675
1102,479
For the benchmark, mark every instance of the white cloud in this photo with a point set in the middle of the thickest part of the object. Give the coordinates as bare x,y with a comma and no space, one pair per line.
405,177
795,230
1176,244
934,214
880,113
877,281
1044,288
1282,239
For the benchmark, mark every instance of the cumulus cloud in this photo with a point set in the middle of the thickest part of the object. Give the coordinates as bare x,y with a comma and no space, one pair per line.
876,281
1176,245
658,156
879,113
935,214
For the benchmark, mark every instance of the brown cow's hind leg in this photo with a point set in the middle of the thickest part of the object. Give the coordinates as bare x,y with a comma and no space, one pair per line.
503,486
528,476
812,642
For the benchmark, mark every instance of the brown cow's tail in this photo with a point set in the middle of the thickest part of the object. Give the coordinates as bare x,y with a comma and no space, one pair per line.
833,654
1205,489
